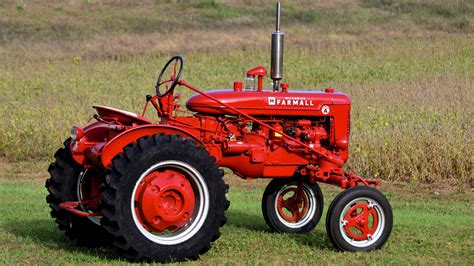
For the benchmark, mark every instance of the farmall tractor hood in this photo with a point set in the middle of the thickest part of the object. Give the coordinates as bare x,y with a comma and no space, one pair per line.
291,103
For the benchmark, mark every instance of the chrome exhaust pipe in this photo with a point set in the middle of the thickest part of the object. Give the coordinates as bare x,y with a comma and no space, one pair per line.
277,52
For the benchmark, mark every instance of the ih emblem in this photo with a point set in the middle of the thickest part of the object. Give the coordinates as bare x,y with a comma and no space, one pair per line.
325,109
271,100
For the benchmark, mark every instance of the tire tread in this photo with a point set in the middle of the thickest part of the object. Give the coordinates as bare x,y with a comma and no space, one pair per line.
111,190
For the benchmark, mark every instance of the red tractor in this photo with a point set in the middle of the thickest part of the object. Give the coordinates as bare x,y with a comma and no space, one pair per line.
155,189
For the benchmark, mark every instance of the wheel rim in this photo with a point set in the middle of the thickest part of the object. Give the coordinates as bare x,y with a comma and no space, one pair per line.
170,202
291,213
362,222
84,195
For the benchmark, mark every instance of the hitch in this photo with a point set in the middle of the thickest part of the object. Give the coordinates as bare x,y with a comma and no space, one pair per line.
71,206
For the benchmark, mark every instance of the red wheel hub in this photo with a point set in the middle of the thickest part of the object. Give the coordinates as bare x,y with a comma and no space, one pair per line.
297,208
358,225
164,201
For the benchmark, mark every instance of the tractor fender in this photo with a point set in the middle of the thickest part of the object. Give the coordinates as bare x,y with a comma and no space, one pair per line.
118,143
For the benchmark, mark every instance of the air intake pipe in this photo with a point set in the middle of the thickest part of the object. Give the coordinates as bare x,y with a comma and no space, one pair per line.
277,52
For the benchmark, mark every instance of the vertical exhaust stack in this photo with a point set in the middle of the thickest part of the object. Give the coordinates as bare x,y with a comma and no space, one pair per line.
277,52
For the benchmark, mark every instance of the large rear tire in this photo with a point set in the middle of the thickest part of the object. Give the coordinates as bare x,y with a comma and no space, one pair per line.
164,199
281,211
65,185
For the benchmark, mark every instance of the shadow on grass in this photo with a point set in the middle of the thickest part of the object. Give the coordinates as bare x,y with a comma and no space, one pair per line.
46,233
316,238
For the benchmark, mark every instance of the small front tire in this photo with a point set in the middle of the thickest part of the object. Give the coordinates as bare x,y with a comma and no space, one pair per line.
281,211
359,219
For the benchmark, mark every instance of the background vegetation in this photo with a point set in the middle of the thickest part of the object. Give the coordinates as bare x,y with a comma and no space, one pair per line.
407,64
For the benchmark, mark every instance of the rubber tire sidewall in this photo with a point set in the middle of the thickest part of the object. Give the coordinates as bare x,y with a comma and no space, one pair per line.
338,205
62,187
269,211
137,162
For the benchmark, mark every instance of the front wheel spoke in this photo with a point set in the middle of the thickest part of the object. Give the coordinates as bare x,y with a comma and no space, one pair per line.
353,223
298,214
281,203
375,221
365,230
291,211
288,204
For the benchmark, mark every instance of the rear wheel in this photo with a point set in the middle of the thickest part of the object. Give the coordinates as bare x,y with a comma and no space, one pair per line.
70,182
282,211
359,219
164,199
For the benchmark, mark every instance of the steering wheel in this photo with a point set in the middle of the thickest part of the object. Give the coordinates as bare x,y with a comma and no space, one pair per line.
174,79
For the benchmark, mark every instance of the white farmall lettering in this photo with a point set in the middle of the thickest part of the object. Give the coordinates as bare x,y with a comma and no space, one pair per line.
290,101
325,110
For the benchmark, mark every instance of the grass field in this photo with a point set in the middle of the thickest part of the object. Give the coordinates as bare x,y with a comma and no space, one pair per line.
407,64
431,227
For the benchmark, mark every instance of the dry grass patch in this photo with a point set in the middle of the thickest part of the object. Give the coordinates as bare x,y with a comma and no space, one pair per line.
411,82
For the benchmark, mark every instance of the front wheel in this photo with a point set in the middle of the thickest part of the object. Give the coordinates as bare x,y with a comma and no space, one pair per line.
359,219
282,210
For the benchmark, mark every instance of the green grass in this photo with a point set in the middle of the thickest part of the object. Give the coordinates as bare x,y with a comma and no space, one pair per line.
428,229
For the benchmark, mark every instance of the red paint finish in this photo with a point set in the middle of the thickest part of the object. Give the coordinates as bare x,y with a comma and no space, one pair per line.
257,134
329,90
71,206
116,145
280,104
94,137
362,221
290,207
258,72
238,86
270,103
271,148
164,201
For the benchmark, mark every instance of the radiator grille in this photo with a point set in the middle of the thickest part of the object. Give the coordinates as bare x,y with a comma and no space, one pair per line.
349,122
